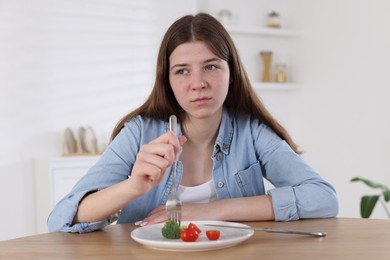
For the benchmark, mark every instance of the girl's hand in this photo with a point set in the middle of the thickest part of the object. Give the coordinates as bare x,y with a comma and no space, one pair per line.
152,161
190,212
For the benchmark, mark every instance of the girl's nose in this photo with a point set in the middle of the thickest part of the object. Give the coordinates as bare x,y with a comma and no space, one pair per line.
197,81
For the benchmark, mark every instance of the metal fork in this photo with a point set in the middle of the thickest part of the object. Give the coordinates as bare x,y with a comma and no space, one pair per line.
173,204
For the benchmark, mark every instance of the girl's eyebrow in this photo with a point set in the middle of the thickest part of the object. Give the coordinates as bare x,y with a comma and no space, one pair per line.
213,59
179,65
206,61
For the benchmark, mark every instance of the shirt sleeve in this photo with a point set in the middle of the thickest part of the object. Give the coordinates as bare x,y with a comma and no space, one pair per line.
62,217
300,192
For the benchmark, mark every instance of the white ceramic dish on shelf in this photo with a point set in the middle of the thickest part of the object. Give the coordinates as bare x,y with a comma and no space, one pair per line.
70,142
81,134
90,141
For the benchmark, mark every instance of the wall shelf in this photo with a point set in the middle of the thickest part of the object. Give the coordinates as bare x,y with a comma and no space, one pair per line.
262,31
258,31
275,86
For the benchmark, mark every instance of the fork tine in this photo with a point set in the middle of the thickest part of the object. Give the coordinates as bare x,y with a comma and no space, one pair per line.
175,216
178,217
170,215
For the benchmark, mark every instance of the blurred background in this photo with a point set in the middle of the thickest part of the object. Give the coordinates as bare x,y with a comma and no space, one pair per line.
73,63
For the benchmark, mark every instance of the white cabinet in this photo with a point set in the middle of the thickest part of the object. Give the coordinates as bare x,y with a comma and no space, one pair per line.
251,40
54,178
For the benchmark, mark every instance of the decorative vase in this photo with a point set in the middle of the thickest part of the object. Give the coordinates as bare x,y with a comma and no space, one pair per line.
266,56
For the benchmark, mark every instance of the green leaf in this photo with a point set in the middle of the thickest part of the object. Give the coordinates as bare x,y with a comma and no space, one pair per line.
370,184
367,205
386,195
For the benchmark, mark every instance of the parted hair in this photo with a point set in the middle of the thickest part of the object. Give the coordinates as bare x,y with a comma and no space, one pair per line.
241,98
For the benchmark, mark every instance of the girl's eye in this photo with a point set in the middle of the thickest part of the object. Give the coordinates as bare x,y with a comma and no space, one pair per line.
181,72
210,67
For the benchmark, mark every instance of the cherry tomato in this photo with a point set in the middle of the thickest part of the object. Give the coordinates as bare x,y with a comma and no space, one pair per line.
189,235
195,227
213,234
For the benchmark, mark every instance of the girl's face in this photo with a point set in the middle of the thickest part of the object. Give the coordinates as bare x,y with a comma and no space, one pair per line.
199,79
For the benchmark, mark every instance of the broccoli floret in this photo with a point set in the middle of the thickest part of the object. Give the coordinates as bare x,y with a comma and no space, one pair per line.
171,230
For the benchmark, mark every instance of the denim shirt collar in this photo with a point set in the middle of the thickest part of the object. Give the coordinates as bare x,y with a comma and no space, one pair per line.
225,134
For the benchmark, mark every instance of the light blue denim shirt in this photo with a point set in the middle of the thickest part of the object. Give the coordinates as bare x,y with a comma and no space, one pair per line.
245,152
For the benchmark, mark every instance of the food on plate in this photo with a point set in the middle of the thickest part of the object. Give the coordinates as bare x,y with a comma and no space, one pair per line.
190,233
171,230
213,234
195,227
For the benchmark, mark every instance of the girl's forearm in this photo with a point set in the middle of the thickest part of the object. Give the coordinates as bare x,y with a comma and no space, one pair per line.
256,208
102,204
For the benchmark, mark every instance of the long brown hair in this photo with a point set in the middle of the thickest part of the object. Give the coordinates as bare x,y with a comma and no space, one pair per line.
241,98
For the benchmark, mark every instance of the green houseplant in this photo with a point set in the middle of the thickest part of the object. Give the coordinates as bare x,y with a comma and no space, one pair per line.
368,202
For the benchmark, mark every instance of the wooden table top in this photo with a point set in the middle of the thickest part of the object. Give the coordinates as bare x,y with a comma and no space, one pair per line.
347,238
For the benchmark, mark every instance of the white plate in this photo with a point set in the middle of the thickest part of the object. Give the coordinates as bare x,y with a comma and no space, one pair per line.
151,236
90,141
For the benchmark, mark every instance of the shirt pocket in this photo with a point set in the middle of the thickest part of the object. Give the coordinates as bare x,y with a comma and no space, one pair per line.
250,181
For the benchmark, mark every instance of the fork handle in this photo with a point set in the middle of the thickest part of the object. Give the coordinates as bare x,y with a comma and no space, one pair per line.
173,124
293,231
173,128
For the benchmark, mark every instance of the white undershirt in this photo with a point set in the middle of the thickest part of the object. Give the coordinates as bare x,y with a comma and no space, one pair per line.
202,193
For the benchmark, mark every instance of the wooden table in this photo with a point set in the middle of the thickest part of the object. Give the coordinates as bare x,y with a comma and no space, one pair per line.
347,238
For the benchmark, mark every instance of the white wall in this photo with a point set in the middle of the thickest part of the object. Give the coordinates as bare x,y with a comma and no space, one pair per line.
344,118
340,116
65,64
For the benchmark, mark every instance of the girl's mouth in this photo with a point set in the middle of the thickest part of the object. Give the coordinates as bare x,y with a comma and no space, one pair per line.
201,100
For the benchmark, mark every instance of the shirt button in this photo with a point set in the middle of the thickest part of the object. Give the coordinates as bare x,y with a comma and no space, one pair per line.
220,184
219,157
